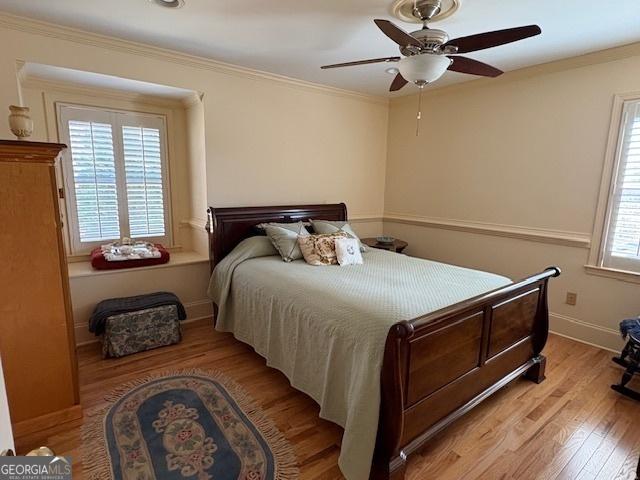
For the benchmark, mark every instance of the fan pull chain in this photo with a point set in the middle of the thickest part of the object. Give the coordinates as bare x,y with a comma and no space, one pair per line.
419,116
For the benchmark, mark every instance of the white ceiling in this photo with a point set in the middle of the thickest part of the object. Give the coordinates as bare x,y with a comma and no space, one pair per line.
294,37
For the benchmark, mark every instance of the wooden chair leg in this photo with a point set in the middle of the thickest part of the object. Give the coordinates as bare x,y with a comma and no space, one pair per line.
536,372
632,367
622,359
638,471
628,375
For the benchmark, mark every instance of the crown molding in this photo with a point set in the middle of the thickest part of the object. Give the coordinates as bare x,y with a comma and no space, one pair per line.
74,35
570,63
539,235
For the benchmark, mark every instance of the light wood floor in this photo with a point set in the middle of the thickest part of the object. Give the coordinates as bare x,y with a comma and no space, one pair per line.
572,426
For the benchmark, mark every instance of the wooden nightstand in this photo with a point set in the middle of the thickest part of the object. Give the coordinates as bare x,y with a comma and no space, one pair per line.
397,246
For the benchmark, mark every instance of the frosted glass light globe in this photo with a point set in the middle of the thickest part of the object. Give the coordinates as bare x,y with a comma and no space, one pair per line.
427,67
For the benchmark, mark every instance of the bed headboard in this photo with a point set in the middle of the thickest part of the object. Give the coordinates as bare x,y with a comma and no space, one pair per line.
229,226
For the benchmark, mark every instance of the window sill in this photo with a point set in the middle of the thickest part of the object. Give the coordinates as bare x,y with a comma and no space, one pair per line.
84,269
622,275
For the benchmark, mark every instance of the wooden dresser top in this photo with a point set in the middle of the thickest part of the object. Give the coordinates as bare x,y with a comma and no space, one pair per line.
21,151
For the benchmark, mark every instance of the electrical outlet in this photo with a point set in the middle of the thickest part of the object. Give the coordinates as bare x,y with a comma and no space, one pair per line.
572,298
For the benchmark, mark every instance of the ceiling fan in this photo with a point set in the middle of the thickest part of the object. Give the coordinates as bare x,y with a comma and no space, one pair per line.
429,53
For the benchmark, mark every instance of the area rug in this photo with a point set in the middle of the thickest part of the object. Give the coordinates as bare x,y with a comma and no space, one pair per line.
192,425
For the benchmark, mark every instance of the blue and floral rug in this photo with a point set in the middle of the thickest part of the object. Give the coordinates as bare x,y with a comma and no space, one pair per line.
191,425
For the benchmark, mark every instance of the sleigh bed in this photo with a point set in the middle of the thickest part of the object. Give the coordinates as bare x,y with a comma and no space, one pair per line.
435,367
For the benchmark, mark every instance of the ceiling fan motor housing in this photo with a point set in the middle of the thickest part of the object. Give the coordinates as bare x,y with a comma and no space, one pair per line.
432,39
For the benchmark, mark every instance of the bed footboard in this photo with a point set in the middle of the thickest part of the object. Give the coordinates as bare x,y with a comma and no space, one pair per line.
439,366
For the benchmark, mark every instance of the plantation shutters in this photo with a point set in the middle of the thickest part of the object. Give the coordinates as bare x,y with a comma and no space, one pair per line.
94,180
145,195
115,176
622,245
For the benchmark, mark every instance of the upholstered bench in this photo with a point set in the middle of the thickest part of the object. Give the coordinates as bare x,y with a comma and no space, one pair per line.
133,332
630,356
134,324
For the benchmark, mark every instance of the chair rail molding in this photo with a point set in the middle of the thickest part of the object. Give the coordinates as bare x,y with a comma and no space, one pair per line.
195,223
539,235
365,218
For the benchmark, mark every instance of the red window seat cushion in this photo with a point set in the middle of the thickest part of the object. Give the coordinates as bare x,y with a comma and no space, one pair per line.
100,263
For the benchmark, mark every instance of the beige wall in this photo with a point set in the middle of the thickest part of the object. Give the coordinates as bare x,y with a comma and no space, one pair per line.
273,144
520,157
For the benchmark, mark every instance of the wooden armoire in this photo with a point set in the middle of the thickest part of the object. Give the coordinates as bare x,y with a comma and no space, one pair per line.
37,343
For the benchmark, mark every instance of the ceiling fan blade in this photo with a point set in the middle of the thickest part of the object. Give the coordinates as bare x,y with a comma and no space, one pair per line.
396,34
474,67
362,62
481,41
398,83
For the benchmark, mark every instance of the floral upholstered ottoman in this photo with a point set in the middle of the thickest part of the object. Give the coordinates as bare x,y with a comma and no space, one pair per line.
133,332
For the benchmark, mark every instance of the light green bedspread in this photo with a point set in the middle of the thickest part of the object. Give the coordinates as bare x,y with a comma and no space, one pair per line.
325,327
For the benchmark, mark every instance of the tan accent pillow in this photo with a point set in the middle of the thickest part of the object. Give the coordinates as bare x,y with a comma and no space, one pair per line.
320,249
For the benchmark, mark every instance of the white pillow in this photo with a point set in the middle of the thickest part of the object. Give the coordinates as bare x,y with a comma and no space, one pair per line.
348,251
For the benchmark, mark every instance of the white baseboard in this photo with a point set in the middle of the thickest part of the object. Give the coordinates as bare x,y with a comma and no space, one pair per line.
199,310
195,311
583,332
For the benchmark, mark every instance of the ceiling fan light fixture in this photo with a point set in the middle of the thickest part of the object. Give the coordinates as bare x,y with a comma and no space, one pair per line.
424,68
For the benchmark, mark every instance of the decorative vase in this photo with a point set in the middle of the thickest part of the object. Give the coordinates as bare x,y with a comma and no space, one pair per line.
20,122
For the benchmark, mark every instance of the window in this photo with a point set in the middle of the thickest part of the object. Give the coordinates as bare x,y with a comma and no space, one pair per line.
115,173
621,240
